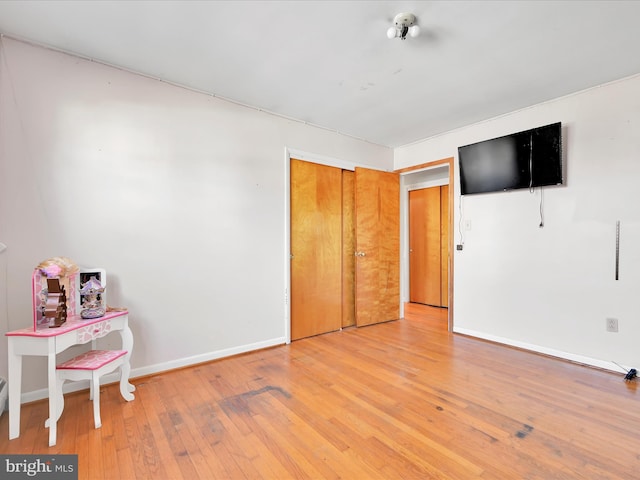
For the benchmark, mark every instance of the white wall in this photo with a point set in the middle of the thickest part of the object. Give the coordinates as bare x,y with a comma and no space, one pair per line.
550,289
180,196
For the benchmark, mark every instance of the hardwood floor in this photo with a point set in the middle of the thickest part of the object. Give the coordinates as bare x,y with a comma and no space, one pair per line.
403,399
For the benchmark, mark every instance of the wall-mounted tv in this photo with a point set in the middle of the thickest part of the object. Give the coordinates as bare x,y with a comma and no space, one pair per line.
528,159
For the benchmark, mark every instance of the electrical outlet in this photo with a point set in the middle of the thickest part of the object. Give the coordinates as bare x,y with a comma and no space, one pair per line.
612,324
458,247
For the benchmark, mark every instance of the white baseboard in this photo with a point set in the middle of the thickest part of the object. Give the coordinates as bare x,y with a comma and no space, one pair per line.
594,362
157,368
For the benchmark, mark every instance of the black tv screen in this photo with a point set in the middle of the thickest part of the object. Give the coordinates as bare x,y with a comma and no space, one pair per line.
528,159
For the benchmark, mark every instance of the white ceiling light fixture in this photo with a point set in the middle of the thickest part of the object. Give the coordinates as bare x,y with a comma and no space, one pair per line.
405,23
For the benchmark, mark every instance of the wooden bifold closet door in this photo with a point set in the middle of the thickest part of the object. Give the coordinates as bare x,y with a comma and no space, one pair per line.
377,246
345,262
316,249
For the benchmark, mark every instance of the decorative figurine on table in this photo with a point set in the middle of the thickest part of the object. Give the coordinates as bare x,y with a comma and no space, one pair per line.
55,310
53,290
92,305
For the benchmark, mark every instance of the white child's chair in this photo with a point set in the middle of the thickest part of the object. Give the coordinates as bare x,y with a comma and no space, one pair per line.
90,366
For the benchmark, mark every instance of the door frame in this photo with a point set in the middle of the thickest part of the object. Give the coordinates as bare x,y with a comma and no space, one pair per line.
446,163
431,174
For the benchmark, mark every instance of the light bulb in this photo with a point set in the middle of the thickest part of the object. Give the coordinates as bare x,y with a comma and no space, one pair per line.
414,30
392,32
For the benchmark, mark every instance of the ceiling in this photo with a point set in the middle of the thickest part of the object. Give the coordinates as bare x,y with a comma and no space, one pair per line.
330,63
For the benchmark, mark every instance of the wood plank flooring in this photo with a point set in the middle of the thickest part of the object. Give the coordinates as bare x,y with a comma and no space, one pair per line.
403,399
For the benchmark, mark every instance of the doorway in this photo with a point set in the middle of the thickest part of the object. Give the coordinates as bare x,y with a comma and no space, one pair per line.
429,175
428,246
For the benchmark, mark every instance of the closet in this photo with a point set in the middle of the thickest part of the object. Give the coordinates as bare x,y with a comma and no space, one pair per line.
344,258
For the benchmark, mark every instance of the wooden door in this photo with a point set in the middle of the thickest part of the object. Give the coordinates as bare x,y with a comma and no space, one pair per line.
428,246
348,248
316,249
377,220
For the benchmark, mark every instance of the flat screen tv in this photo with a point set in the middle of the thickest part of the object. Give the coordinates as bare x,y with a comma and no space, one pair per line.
528,159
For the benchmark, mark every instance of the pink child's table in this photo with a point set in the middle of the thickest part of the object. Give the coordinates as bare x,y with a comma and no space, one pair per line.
50,341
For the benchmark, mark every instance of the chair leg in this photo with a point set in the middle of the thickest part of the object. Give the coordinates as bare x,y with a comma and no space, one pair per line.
60,399
95,386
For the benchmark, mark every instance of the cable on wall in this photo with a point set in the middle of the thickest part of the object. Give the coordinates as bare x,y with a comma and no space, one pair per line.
541,208
531,187
531,163
461,244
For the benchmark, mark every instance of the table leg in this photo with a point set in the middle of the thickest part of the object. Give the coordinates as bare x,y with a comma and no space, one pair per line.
15,390
127,344
125,387
53,398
